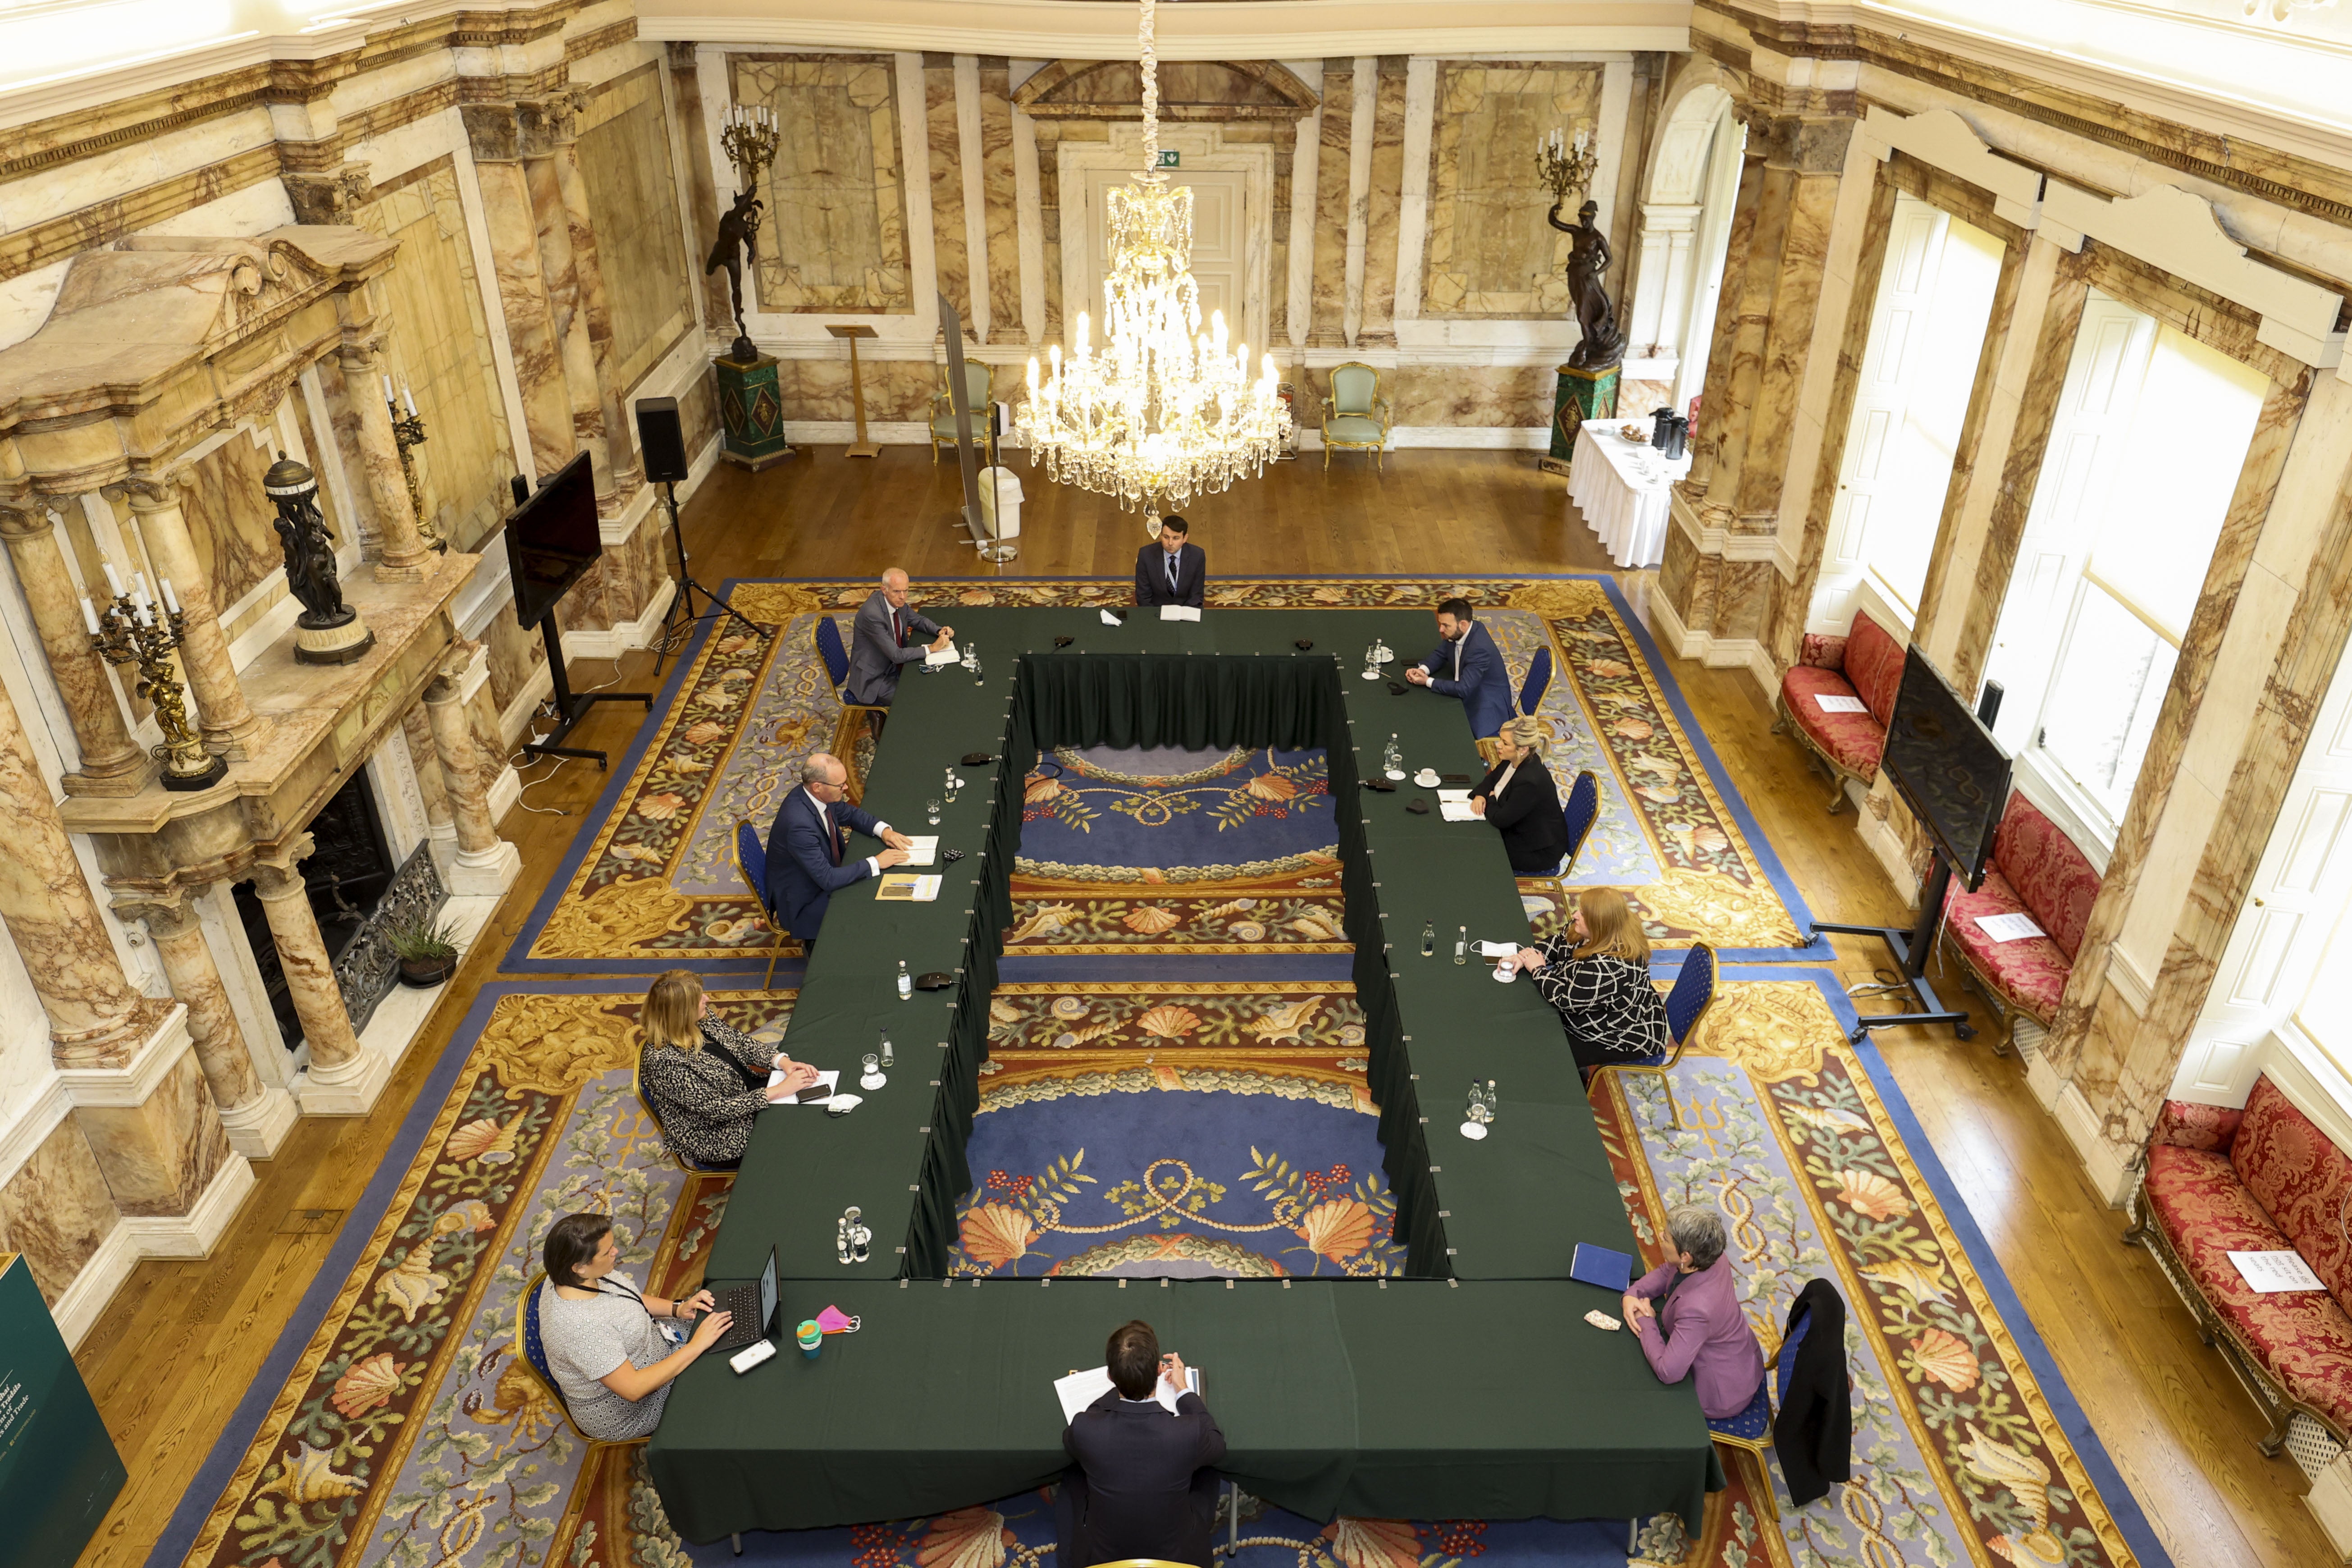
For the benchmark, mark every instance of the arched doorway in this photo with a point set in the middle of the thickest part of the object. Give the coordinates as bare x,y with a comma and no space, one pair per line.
1683,229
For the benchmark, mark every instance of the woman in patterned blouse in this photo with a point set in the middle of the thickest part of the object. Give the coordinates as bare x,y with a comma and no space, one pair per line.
1599,979
707,1098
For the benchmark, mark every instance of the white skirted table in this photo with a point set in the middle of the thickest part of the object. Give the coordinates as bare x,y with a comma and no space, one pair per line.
1621,487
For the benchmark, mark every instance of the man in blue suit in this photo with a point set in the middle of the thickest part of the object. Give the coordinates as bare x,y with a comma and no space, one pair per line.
1171,570
1469,666
808,848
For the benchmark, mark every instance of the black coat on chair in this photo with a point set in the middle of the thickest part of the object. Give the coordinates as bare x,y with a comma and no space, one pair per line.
1813,1432
1533,829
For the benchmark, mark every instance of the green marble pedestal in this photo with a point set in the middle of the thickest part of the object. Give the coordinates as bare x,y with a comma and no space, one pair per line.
752,411
1582,395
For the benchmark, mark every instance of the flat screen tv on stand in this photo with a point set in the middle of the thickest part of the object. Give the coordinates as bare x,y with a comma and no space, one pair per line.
553,541
1943,760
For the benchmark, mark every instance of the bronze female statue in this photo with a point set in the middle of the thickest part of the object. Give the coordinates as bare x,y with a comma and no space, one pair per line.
738,243
1602,344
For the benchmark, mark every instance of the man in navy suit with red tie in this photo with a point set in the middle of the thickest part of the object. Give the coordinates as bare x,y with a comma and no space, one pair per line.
808,848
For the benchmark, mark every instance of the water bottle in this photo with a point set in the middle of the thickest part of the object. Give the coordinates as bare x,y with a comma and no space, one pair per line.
889,1059
1462,944
1490,1099
906,982
841,1239
1428,937
972,662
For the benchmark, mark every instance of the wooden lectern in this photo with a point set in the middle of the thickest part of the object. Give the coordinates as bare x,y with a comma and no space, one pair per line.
861,447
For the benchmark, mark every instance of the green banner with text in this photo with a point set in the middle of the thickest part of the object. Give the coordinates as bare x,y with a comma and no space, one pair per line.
58,1470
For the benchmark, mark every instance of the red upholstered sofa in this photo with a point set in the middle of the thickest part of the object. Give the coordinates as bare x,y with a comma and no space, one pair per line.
1866,663
2036,870
2263,1179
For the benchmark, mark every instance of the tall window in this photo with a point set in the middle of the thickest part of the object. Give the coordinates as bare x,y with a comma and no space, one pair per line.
2144,454
1927,334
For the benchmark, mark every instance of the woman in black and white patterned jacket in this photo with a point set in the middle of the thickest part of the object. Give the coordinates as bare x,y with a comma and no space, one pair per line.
707,1097
1599,980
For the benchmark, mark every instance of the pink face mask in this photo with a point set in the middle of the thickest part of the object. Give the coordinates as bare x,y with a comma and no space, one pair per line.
833,1321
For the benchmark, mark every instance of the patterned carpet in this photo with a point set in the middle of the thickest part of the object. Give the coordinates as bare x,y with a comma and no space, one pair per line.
657,886
393,1427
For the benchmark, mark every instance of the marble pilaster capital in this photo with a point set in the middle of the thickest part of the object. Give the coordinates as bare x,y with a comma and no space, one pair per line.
169,911
275,871
148,491
24,515
1806,144
442,689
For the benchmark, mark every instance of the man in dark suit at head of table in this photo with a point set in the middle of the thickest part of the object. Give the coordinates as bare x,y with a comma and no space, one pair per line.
1171,570
1140,1483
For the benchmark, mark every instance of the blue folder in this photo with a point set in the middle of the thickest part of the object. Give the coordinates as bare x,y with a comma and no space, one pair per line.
1600,1266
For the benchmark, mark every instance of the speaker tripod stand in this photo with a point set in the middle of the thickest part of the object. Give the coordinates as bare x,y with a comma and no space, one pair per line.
681,613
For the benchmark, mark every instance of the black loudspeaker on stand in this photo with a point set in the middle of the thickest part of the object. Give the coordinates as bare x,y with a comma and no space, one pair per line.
661,439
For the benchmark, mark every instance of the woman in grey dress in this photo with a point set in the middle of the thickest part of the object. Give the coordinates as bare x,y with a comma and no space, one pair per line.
612,1360
706,1077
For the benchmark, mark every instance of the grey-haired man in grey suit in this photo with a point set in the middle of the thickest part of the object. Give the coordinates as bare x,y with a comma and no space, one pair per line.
890,632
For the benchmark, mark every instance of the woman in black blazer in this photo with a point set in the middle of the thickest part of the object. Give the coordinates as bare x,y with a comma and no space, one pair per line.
705,1078
1519,798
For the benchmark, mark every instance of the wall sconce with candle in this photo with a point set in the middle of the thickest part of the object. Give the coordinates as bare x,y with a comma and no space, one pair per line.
409,431
136,630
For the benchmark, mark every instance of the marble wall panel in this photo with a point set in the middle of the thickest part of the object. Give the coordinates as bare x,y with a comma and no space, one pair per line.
1677,565
229,518
951,251
515,657
625,161
698,415
622,583
997,180
895,389
56,1210
1512,396
1788,344
439,349
836,235
1491,253
1327,323
157,1158
1385,204
1744,601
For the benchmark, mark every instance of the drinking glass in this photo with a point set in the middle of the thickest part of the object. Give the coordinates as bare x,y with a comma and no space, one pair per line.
931,809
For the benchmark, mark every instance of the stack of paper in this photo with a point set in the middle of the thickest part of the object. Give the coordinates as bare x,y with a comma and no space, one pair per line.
908,888
1497,950
2008,927
1454,805
1081,1389
922,848
939,656
1829,702
1179,612
2267,1272
818,1093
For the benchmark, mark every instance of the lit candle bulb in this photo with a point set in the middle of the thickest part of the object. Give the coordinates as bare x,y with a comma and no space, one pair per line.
139,595
409,398
90,614
139,612
171,600
112,580
387,389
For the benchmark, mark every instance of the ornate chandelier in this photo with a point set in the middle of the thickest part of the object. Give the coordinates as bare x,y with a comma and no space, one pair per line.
1164,411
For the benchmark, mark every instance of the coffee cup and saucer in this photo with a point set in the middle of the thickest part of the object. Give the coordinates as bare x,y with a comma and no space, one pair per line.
1426,778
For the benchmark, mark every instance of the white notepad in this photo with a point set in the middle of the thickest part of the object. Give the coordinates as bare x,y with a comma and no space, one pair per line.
1081,1389
2269,1272
1457,811
939,656
2009,928
828,1080
1829,702
1446,797
1176,613
922,848
1498,950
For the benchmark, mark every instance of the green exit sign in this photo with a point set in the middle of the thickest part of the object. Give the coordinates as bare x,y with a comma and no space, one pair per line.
1170,157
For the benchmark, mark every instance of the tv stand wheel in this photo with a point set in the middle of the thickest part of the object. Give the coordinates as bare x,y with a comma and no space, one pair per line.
1965,1031
1858,1034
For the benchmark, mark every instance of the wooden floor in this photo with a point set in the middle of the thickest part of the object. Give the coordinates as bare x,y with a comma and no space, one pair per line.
190,1338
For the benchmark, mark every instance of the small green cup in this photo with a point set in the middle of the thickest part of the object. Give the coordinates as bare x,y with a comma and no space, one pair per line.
811,1338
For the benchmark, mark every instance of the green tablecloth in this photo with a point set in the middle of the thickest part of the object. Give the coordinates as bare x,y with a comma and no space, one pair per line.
1484,1397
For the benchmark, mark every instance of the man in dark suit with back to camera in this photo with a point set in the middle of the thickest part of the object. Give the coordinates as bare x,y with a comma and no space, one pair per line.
890,632
1141,1482
1469,666
808,853
1171,570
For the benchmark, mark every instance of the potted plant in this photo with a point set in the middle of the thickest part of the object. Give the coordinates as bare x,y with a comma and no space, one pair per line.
427,949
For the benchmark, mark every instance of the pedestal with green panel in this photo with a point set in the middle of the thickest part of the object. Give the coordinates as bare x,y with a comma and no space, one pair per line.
752,410
1580,395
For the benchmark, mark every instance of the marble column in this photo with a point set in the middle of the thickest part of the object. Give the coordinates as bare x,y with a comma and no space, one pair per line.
113,760
403,556
257,1115
97,1017
345,1077
416,728
1714,410
512,231
228,724
485,864
701,187
545,126
596,311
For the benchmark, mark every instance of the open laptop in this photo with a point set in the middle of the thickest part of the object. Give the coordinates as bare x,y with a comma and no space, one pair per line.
754,1307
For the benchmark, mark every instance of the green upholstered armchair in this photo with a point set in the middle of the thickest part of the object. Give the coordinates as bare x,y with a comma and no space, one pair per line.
1355,414
975,390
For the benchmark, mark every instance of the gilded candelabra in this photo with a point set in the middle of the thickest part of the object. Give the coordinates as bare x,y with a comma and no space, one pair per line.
136,630
407,431
749,137
1567,165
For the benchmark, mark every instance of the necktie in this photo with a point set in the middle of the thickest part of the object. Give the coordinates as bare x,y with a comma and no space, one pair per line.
897,632
832,838
1171,571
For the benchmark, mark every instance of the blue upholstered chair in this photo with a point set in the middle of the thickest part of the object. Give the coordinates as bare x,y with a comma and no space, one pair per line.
1539,681
1686,1004
835,657
1752,1428
752,865
1355,414
1582,811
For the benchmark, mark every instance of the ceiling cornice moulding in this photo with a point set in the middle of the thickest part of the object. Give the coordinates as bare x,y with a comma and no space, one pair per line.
1197,30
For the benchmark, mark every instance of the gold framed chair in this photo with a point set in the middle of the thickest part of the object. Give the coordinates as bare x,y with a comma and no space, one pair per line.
976,378
653,1113
1355,414
1687,1002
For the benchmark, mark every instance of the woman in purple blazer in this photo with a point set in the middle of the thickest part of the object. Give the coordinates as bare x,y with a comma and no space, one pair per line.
1686,1314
